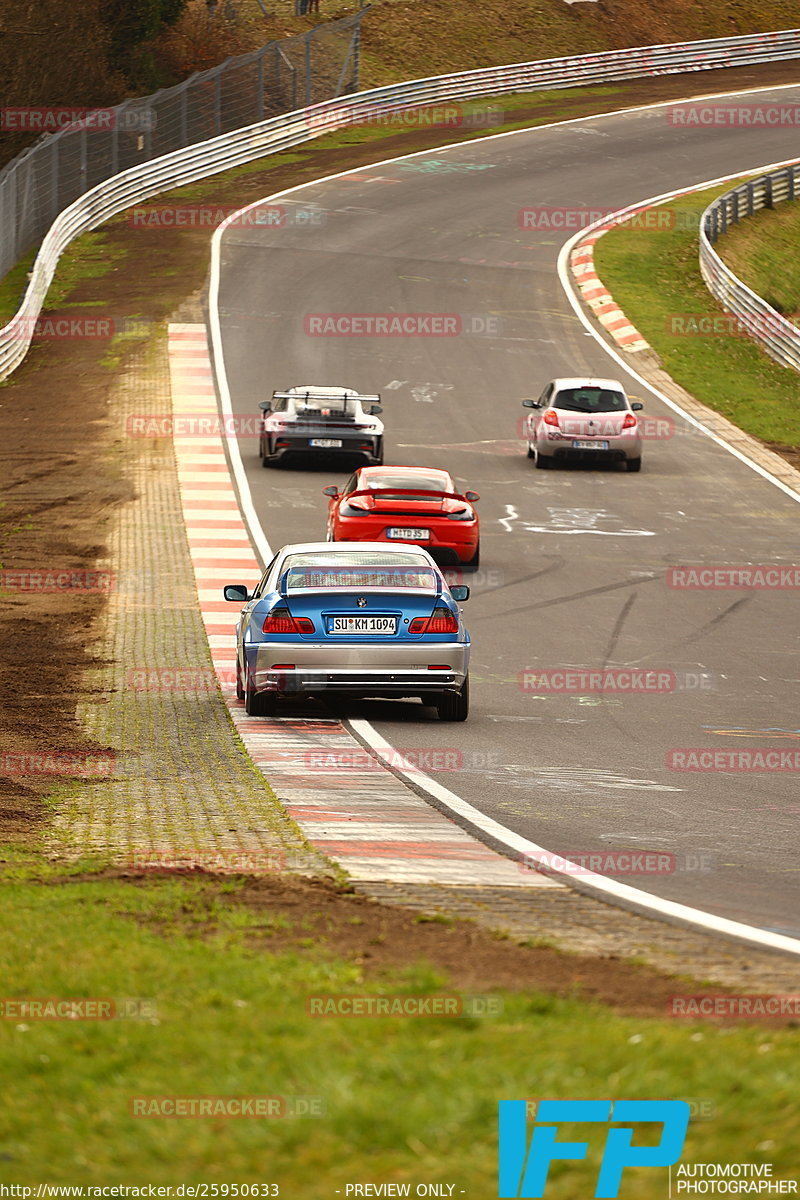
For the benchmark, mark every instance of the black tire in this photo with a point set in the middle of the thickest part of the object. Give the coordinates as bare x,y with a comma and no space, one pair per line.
257,704
543,463
634,464
454,706
239,687
474,562
531,453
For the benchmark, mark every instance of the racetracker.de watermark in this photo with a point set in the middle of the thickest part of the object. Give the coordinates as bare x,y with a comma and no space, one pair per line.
395,324
411,759
192,425
262,1107
54,119
581,680
719,1004
210,216
648,428
220,861
706,114
716,324
176,679
568,218
618,862
71,765
84,1008
721,577
397,117
49,580
53,327
712,758
326,1004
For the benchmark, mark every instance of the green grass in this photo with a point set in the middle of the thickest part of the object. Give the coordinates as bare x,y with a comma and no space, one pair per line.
89,257
405,1099
761,250
654,277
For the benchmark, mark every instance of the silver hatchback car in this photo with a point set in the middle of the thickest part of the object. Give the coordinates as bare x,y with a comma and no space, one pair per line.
584,419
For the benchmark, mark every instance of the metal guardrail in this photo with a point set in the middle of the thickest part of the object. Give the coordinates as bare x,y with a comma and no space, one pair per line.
240,146
779,337
63,164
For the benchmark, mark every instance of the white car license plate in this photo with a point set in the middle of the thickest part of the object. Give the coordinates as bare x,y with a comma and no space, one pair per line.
590,445
326,443
384,625
410,534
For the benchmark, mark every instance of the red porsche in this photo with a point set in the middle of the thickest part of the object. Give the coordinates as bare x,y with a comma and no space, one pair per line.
407,504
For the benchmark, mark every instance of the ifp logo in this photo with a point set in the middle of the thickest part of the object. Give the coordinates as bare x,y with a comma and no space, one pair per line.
523,1169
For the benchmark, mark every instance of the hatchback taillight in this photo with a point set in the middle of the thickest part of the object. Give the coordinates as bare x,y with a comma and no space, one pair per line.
280,620
550,417
629,422
441,620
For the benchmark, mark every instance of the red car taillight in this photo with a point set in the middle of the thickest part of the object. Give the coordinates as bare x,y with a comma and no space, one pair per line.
629,422
441,620
550,417
280,620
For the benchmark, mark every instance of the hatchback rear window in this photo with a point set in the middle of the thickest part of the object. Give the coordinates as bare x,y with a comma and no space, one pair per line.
589,400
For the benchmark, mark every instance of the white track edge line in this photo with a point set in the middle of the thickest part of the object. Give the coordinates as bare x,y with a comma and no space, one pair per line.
593,882
522,845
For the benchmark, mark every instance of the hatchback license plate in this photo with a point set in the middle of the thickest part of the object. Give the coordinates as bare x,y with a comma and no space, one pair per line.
590,445
381,625
405,534
326,443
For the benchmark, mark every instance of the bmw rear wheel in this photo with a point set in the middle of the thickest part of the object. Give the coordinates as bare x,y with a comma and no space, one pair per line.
257,704
454,706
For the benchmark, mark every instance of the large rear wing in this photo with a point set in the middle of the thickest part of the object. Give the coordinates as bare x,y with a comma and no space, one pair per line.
321,397
400,492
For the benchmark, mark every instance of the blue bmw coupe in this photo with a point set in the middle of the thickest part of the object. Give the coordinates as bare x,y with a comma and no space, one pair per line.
366,620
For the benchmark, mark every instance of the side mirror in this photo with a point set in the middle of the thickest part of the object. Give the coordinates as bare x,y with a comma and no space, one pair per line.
265,405
374,409
330,491
636,406
236,591
472,496
459,591
530,404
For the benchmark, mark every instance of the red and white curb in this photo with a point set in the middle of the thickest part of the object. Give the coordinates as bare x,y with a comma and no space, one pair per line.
348,805
597,296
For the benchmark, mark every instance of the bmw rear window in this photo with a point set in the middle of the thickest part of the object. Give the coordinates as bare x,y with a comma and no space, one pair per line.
359,570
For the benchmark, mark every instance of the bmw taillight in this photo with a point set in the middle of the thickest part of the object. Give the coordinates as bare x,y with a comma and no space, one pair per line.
550,417
629,422
441,620
280,620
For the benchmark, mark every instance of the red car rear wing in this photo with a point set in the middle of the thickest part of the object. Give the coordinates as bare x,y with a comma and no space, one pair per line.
396,491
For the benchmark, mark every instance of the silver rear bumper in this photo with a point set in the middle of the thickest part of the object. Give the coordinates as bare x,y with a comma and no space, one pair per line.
369,669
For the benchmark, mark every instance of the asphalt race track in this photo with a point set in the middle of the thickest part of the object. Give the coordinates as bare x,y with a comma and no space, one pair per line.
574,560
